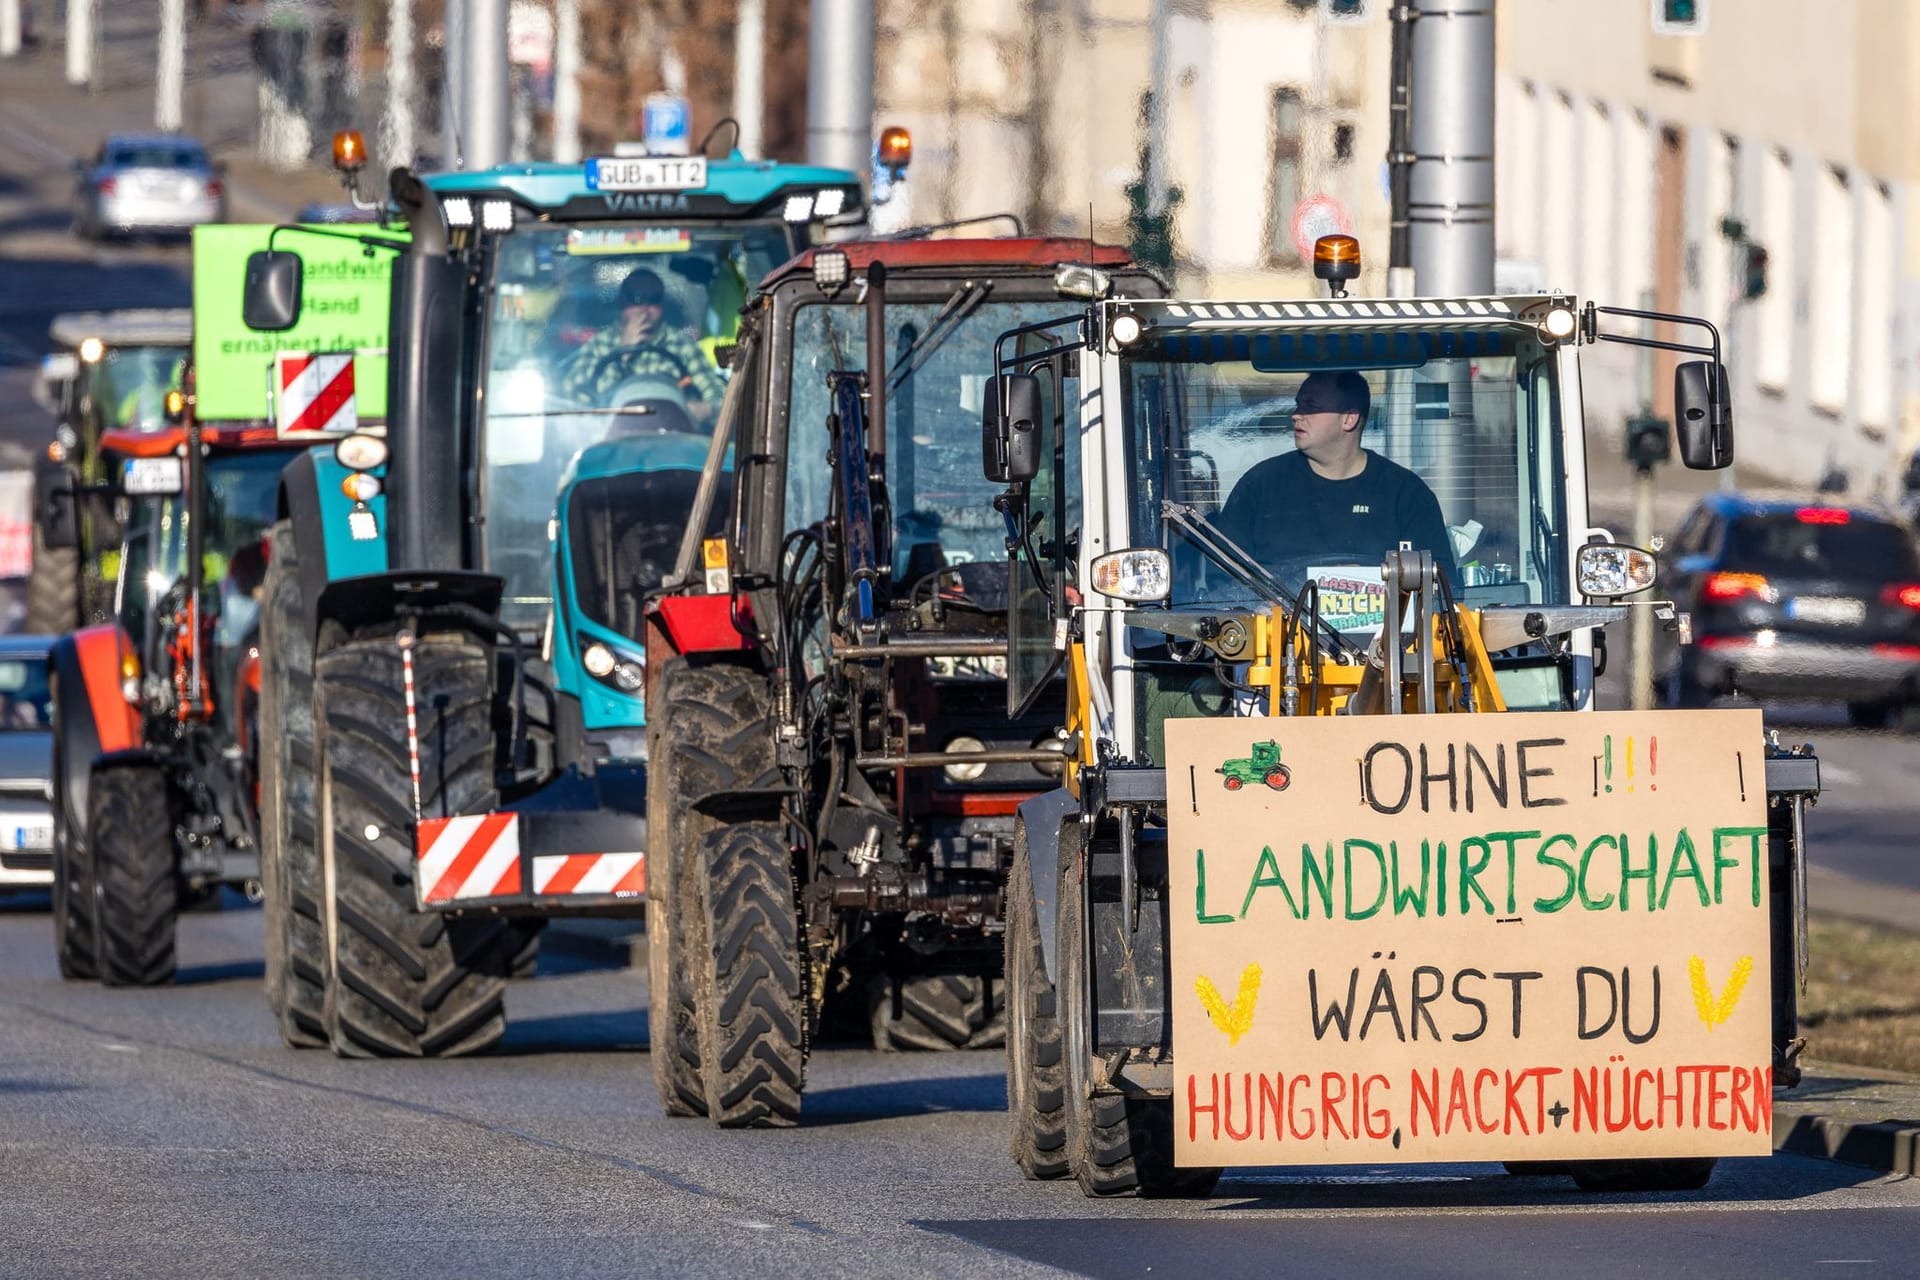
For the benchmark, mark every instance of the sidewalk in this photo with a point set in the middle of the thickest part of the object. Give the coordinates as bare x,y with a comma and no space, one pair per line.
1853,1115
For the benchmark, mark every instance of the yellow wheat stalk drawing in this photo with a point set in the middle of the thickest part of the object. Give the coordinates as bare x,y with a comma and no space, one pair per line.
1238,1020
1715,1010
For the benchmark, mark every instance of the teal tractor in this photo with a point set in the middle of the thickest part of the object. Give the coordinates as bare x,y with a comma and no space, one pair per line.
1263,766
451,757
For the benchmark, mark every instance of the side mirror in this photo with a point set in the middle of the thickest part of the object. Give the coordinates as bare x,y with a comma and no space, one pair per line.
1703,415
1010,428
59,514
271,301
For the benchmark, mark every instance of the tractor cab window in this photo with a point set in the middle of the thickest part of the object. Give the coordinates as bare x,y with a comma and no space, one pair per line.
937,353
600,332
129,385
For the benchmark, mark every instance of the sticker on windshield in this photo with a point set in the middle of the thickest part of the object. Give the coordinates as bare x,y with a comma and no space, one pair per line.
1353,599
597,240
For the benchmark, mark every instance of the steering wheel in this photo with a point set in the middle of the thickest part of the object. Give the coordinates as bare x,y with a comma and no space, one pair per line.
628,352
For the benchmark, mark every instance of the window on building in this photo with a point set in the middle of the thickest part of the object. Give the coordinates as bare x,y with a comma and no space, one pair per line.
1343,142
1830,324
1720,257
1283,181
1873,288
1773,352
1597,193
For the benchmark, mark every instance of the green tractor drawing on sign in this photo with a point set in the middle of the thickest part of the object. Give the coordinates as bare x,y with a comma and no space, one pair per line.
1263,766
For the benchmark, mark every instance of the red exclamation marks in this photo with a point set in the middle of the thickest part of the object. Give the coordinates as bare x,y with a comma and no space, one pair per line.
1653,763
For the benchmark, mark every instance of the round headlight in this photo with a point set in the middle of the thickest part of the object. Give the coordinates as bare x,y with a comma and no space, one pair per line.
361,488
598,660
1127,329
1050,768
360,453
1558,324
629,676
972,771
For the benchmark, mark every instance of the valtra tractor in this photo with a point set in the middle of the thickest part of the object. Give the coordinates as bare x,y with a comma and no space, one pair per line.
833,774
1173,633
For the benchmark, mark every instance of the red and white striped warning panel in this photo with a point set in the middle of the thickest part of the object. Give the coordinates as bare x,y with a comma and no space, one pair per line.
313,391
619,874
477,856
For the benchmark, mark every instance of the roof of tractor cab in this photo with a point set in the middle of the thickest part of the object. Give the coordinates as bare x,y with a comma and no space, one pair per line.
142,327
1038,252
169,440
547,185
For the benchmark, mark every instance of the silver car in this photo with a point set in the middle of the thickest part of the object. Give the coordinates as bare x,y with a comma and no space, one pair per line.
148,182
26,764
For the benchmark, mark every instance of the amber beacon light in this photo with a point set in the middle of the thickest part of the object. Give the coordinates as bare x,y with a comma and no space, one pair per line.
896,148
1336,259
349,151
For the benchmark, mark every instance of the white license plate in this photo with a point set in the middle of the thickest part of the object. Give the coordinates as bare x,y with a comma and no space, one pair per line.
33,835
151,475
1839,610
647,173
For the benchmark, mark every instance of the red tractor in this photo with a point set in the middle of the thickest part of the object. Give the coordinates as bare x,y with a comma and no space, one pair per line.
155,787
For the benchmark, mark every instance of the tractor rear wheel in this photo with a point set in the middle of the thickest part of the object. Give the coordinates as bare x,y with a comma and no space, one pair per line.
1232,783
751,1004
1036,1089
75,914
404,983
707,733
130,829
53,588
296,949
1116,1145
938,1011
1278,777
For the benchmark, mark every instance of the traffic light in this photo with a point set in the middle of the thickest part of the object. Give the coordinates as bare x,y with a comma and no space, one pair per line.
1679,17
1753,277
1647,440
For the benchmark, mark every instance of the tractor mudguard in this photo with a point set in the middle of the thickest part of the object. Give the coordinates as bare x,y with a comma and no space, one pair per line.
90,715
245,699
1045,816
378,598
323,525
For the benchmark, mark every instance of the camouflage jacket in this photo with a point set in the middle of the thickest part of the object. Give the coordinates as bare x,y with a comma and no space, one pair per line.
605,362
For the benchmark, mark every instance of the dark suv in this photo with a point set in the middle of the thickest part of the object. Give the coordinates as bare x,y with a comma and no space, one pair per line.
1797,600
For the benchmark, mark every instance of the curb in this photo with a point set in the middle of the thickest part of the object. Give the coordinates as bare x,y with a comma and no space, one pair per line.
1890,1146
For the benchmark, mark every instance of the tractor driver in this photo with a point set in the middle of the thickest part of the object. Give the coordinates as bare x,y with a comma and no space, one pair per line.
1329,500
642,344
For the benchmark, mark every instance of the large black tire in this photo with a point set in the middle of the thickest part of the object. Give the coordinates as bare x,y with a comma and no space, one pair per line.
707,732
130,829
941,1011
526,947
53,588
1036,1087
1642,1175
1116,1145
404,983
751,1005
296,950
75,915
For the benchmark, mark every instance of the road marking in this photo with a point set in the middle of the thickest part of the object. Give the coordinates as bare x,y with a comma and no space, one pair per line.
119,1048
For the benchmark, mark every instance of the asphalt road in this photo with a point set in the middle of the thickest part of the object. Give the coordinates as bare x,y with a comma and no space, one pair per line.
168,1133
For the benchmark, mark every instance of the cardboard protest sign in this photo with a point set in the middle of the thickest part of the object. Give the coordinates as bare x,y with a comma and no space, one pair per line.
1496,937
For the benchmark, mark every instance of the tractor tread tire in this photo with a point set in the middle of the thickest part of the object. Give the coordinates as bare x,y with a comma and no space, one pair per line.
53,588
938,1012
296,940
130,832
75,914
405,983
706,731
752,1005
1036,1087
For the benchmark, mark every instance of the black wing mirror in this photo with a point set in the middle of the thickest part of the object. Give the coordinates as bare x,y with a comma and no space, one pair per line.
272,297
1703,415
1010,428
59,513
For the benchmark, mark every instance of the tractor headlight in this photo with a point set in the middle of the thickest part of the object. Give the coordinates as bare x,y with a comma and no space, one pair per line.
598,660
968,771
625,671
360,452
1609,569
1138,575
1051,768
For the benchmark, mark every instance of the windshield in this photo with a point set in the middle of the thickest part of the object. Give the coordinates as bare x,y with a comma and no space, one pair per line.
598,332
1832,546
25,704
940,353
1317,452
130,385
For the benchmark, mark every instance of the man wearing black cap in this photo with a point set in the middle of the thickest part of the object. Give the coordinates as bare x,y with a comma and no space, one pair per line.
642,345
1329,499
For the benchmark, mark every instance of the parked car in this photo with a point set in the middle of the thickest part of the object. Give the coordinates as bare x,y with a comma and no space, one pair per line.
144,182
26,764
1797,600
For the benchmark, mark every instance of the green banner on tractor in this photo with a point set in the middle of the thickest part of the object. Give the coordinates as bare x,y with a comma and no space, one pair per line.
343,308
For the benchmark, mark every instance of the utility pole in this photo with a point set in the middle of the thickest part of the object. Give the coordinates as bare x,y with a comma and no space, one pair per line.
173,65
484,124
1450,179
1400,281
453,79
566,81
1159,93
749,74
9,28
79,41
396,121
840,85
1647,448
